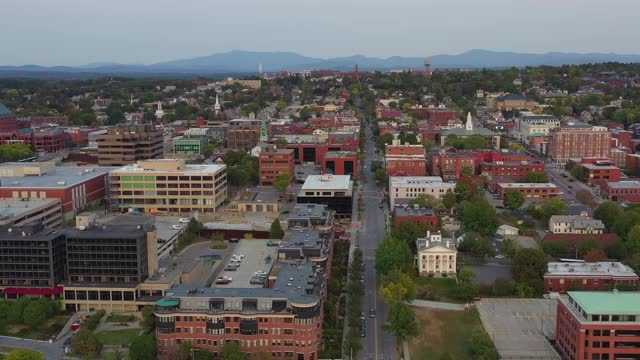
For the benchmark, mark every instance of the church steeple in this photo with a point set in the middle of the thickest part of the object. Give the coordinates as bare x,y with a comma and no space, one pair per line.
469,124
216,107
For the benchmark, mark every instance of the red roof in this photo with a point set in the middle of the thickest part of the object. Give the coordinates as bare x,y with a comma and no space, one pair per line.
33,291
572,239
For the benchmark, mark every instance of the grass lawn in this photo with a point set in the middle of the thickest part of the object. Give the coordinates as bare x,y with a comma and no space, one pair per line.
45,331
117,337
435,289
117,318
443,331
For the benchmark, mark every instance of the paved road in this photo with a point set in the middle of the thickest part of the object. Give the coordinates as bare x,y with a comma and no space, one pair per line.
51,351
378,344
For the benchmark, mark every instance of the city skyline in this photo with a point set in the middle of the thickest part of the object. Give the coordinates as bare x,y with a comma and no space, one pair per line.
74,32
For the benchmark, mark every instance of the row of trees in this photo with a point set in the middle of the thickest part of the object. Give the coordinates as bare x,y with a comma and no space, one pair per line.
25,311
355,289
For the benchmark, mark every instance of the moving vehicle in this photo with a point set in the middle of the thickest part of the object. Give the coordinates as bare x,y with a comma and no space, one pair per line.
177,227
372,312
184,220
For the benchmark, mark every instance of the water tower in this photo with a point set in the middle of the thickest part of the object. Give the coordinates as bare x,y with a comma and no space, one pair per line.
427,67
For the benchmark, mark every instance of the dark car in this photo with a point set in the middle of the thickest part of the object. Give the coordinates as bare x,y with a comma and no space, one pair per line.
234,240
372,312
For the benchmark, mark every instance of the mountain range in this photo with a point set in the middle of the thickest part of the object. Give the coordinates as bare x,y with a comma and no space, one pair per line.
239,62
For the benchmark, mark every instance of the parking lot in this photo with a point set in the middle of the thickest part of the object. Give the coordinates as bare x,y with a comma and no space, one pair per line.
256,252
519,327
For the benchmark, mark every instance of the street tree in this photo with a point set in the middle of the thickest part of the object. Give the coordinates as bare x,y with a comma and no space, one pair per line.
281,182
608,212
398,286
528,267
402,321
536,177
550,207
393,254
231,351
513,199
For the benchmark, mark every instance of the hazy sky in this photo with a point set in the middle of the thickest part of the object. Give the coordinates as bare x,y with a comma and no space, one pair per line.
75,32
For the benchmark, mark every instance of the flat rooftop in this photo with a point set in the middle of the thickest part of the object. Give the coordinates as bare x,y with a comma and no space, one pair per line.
327,182
599,167
608,302
62,177
15,207
410,211
590,269
624,184
257,257
413,180
188,169
528,185
340,154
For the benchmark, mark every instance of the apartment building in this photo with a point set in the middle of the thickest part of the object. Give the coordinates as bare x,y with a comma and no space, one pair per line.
575,224
579,141
168,186
405,160
124,145
411,187
510,170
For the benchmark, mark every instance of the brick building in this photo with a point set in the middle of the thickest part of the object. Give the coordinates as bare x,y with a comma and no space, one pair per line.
510,170
76,187
46,139
621,191
579,141
622,138
598,325
449,166
600,276
273,162
340,163
124,145
596,174
415,214
312,148
243,134
531,191
405,160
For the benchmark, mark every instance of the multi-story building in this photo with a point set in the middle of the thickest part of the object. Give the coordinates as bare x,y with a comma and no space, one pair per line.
411,187
124,145
596,174
579,141
534,125
243,134
575,224
45,139
511,102
531,191
19,212
599,276
76,187
312,148
436,257
449,166
32,260
415,214
273,162
8,120
189,146
599,325
168,186
405,160
340,163
335,191
621,191
510,170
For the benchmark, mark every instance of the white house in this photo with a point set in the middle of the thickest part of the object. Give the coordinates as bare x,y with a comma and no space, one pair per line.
507,230
435,256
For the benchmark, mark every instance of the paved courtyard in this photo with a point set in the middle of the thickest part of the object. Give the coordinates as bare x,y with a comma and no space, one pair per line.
519,327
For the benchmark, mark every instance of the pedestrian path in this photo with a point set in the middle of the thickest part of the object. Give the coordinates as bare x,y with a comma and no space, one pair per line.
436,305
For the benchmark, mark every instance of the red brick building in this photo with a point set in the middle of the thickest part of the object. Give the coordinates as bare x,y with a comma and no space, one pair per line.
596,174
307,148
449,166
510,170
80,136
273,162
600,276
405,160
623,138
573,240
340,163
49,140
424,216
621,191
243,134
579,141
324,123
76,187
632,164
531,191
599,325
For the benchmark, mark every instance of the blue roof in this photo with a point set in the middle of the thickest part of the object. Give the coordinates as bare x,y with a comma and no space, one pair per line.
4,112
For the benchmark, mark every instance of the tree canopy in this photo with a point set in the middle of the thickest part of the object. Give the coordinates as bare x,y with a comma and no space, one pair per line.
393,254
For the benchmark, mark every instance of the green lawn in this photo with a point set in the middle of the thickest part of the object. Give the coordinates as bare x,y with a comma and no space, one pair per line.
45,331
117,318
117,337
443,331
435,289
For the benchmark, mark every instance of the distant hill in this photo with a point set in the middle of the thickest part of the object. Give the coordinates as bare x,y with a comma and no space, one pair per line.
246,62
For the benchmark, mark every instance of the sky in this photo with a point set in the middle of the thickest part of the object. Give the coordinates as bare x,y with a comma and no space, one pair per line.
77,32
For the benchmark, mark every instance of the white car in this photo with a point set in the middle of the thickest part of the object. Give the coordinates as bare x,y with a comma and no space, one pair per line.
184,220
178,227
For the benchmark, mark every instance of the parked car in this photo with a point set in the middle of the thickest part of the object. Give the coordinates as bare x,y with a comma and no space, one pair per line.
234,240
177,227
184,220
273,243
362,316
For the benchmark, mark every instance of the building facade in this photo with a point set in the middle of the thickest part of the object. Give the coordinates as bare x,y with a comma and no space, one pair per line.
405,160
510,170
273,162
600,276
621,191
579,141
411,187
335,191
168,186
124,145
243,134
596,174
531,191
436,257
598,325
575,224
341,163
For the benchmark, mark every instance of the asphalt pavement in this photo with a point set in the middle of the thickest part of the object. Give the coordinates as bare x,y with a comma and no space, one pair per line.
377,344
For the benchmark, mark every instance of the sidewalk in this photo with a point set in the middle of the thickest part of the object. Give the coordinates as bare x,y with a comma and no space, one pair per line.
436,305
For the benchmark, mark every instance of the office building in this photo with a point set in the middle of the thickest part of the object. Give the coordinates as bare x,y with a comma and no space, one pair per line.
411,187
273,162
621,191
405,160
531,191
124,145
189,146
243,134
341,163
335,191
168,186
599,276
599,325
516,170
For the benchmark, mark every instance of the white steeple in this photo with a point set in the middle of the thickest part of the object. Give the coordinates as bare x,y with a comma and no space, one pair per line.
216,107
469,124
260,71
159,112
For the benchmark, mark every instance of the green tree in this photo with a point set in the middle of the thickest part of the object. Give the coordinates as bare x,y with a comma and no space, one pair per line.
477,214
465,275
481,347
550,207
465,291
381,176
143,347
281,182
528,267
513,199
280,143
276,229
85,343
231,351
585,246
578,172
24,354
475,245
617,251
37,312
509,248
408,231
556,249
633,240
425,200
17,308
536,177
449,200
446,356
184,351
402,321
114,355
608,212
465,188
393,254
148,318
398,286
